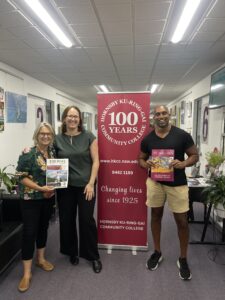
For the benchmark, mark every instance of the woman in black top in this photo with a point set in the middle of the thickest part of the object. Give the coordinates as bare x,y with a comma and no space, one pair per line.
80,147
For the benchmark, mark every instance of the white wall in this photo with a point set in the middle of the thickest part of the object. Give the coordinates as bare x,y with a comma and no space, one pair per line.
16,136
216,116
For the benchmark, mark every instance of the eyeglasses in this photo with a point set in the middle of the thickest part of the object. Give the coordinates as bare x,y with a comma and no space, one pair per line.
72,117
45,134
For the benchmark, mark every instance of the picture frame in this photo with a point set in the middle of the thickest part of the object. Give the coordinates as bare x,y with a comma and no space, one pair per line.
40,114
87,120
60,110
182,112
189,109
96,121
16,108
2,110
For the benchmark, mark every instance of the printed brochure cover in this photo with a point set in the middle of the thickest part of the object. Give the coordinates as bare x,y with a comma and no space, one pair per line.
162,159
57,172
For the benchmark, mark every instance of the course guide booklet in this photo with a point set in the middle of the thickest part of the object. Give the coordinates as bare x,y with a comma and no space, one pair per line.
57,172
162,159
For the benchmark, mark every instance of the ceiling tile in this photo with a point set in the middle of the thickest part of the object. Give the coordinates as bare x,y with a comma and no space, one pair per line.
151,10
149,27
78,13
120,12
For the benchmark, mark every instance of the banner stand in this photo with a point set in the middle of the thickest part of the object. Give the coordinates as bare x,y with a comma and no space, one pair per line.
123,121
122,247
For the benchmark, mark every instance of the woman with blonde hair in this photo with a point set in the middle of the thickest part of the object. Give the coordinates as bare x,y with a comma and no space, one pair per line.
37,201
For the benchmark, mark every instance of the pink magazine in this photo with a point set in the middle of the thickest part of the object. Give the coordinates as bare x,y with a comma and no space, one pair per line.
162,159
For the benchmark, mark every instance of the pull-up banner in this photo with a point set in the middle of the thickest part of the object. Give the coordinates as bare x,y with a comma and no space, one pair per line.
123,121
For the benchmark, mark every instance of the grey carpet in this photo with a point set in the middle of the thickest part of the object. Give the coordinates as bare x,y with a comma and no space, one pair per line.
124,276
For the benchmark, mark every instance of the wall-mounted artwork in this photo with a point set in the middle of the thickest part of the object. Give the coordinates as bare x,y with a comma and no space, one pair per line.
174,111
16,108
2,110
60,110
173,115
87,120
96,121
40,114
178,117
182,112
189,109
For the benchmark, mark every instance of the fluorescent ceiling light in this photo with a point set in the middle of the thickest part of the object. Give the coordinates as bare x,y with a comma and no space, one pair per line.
102,88
42,13
154,88
218,86
213,106
185,19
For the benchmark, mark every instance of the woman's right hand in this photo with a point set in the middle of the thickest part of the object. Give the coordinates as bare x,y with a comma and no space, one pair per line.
48,191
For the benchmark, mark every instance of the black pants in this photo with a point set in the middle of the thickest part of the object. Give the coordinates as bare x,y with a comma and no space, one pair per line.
68,201
36,215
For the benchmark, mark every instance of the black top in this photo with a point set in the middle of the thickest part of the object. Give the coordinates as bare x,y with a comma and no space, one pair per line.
77,150
177,139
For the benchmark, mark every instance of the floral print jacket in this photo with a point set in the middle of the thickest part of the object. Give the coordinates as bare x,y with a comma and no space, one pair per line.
33,164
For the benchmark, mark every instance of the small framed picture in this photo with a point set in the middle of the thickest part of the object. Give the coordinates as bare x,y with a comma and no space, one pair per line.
189,109
87,120
60,110
96,121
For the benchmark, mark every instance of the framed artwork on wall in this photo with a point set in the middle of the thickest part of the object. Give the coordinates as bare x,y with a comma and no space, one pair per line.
178,117
189,109
16,107
40,114
174,111
182,112
87,120
60,110
173,115
2,109
96,121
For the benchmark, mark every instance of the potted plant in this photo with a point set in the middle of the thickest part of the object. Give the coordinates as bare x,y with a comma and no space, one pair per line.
8,179
214,159
215,194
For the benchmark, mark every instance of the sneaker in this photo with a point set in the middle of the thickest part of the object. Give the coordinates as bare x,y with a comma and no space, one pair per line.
154,260
184,272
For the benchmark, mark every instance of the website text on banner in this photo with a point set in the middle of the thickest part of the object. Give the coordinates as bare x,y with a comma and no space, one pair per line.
123,120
